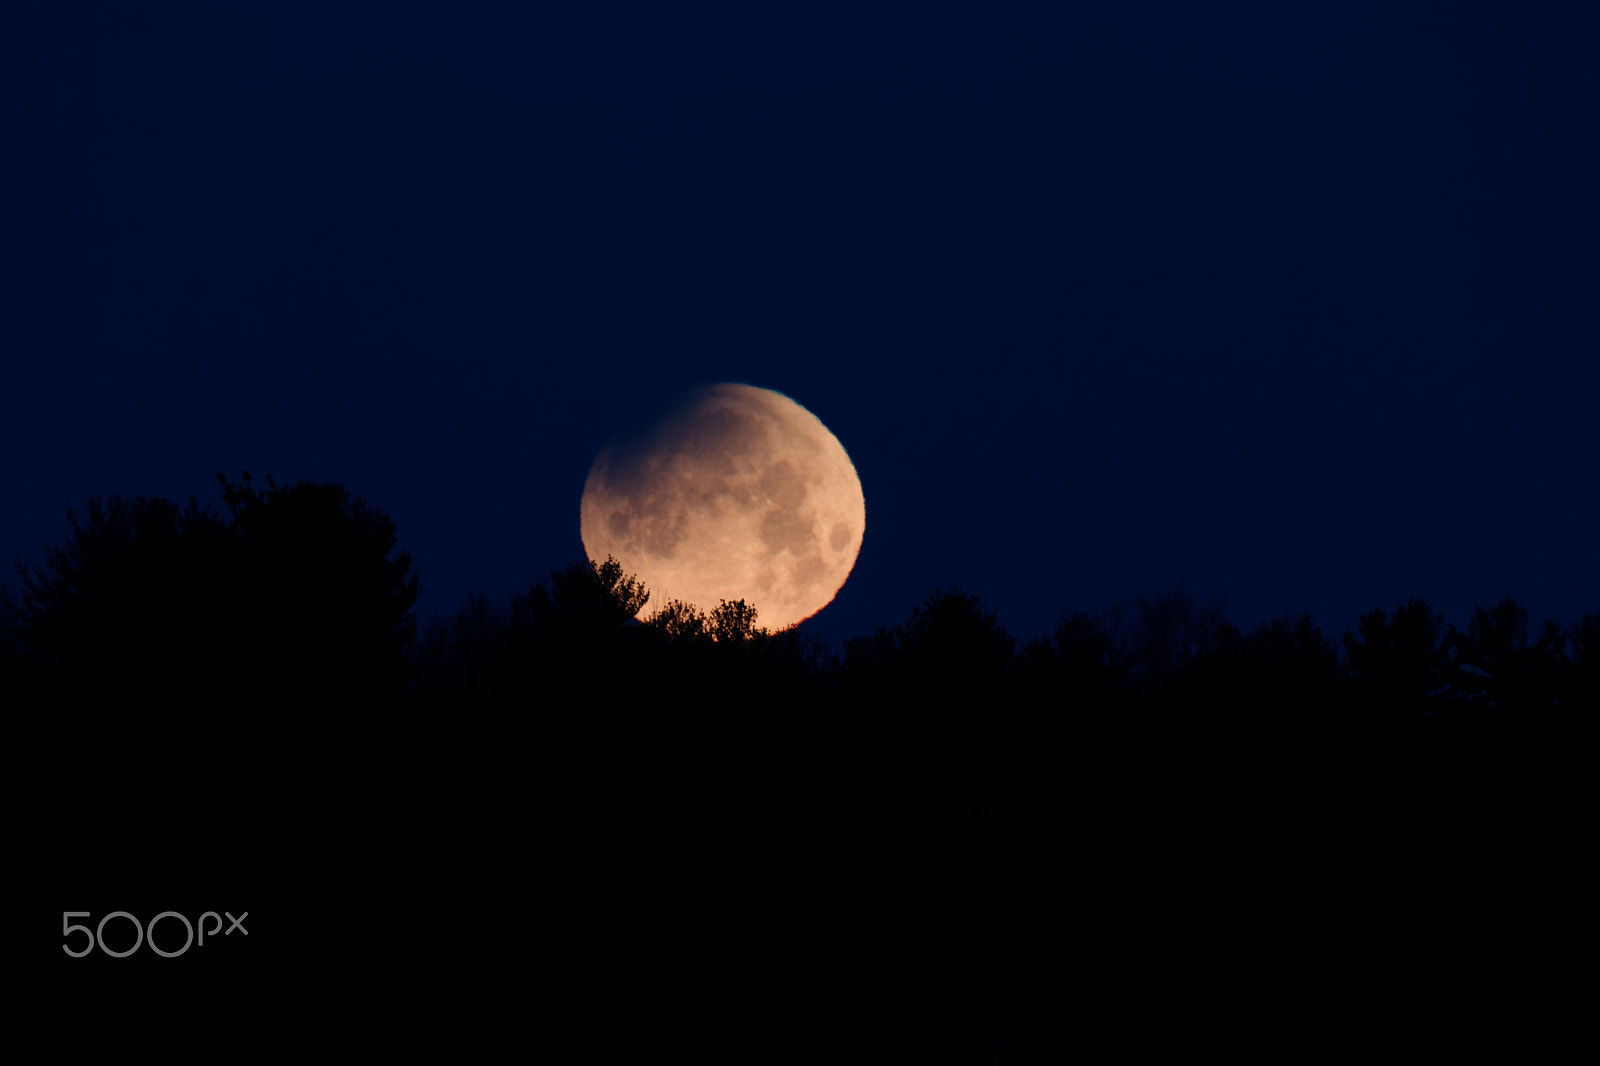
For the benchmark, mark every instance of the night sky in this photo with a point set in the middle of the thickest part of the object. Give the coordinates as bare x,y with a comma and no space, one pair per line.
1296,303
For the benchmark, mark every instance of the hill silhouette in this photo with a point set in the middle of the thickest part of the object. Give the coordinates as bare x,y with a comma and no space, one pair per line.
545,828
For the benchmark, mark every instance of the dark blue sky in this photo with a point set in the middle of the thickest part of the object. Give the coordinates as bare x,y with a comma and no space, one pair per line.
1298,303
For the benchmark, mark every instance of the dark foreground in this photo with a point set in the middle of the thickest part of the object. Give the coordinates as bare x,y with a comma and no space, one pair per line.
877,897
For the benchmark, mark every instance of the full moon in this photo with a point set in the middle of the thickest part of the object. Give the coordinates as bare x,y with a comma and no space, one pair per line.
737,493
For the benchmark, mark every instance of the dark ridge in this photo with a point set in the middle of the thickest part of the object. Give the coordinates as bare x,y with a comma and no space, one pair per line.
542,828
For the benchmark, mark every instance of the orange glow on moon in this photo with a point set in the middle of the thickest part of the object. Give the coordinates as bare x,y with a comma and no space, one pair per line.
739,493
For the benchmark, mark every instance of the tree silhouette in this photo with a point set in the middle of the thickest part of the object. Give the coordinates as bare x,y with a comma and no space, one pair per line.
951,636
1066,689
587,670
1293,651
179,635
465,672
587,599
1492,665
679,620
1160,636
942,668
1290,670
322,605
128,570
1581,690
731,622
127,619
1090,656
1401,659
319,566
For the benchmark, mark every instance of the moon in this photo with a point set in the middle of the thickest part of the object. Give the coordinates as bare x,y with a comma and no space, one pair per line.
737,492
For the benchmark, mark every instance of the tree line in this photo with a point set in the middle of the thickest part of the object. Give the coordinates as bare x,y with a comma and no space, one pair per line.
934,843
